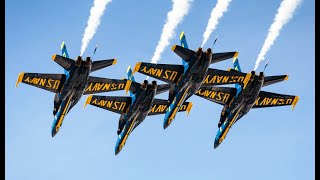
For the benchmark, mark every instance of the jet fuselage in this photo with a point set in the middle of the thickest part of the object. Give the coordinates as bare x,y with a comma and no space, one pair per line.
71,91
189,83
240,105
136,113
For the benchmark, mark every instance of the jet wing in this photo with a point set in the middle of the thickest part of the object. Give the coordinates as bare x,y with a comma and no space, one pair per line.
160,106
221,77
63,61
168,73
274,79
49,82
217,57
220,95
269,99
117,104
99,85
96,65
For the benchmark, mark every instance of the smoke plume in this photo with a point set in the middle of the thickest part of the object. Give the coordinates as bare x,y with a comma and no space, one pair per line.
284,14
93,22
216,14
180,8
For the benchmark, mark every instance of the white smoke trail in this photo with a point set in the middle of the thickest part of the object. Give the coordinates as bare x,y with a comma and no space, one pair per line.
93,22
284,14
180,8
216,14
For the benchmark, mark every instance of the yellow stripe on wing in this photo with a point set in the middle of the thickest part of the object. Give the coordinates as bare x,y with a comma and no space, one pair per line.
136,67
19,80
295,102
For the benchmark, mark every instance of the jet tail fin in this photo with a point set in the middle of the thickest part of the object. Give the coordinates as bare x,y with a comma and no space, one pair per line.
236,66
64,53
130,77
183,42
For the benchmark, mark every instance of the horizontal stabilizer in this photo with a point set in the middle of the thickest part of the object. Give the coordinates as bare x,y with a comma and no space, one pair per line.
160,106
49,82
269,99
133,88
221,77
161,88
220,95
268,80
63,61
96,65
99,85
117,104
217,57
168,73
184,53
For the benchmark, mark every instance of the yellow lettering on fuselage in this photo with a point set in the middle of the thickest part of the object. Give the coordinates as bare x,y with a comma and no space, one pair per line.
48,83
94,87
161,73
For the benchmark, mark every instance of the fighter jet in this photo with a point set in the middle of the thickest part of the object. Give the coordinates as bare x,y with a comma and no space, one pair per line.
70,86
136,108
238,101
187,78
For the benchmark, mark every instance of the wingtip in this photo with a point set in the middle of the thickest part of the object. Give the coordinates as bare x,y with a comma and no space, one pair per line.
136,67
20,77
88,100
173,47
127,87
287,77
295,100
189,108
114,62
53,57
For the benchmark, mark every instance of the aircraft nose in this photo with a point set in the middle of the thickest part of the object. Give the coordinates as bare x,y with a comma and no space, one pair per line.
116,152
165,125
53,133
216,143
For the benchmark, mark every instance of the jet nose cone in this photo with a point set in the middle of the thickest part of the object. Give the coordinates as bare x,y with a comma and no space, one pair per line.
216,144
165,125
53,133
116,152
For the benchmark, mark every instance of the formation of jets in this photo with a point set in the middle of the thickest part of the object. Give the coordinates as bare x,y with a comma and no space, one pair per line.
193,77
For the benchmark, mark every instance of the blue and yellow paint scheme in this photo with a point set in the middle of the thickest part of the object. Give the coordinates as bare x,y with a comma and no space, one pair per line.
239,101
186,79
75,82
136,108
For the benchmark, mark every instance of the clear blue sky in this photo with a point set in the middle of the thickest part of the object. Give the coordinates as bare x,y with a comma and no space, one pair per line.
270,143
